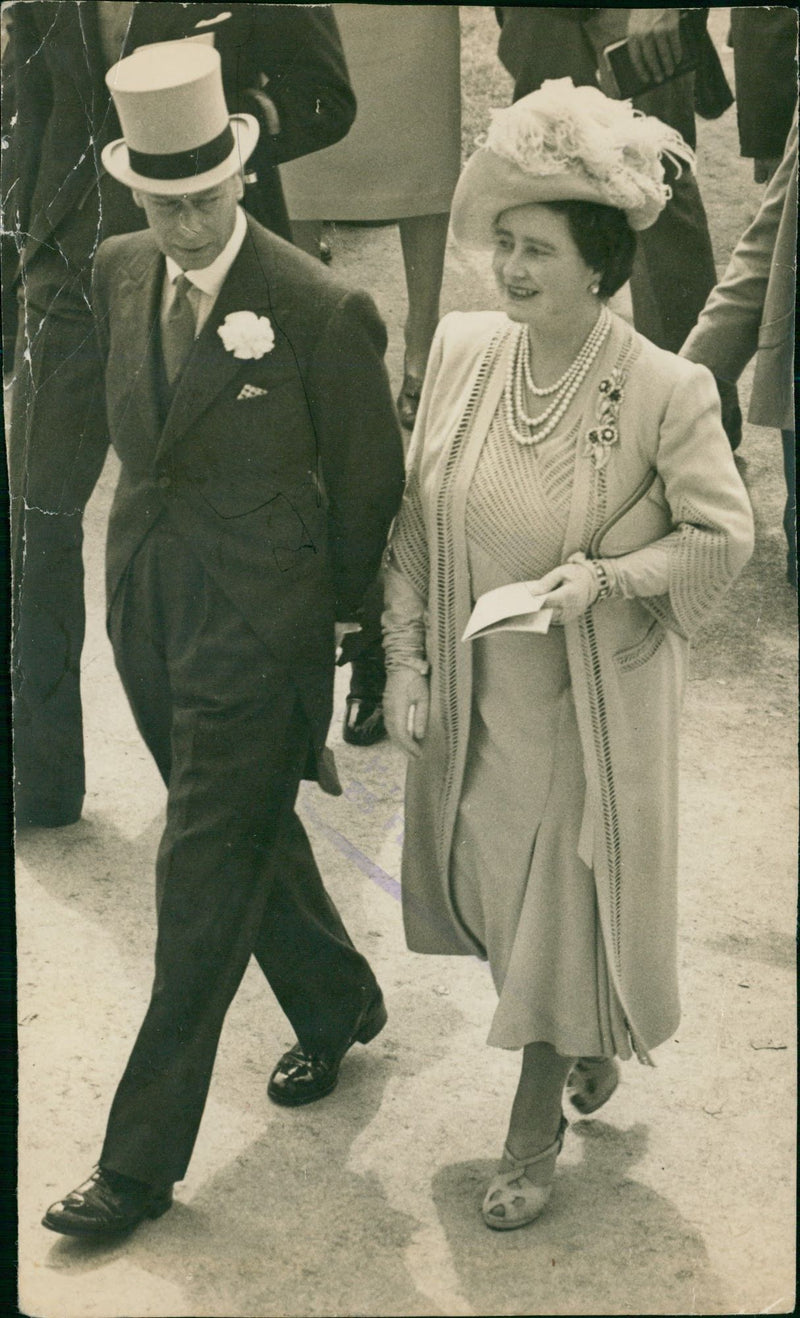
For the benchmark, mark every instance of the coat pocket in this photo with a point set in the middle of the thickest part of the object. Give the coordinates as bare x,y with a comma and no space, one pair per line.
633,656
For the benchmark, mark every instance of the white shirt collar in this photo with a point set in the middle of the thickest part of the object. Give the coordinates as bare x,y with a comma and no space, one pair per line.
210,279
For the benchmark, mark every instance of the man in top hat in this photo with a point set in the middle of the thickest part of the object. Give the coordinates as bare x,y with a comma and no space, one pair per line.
262,463
282,63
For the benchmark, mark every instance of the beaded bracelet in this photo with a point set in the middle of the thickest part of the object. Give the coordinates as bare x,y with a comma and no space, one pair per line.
602,579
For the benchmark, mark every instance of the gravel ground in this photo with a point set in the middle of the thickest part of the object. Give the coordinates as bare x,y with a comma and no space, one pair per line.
678,1198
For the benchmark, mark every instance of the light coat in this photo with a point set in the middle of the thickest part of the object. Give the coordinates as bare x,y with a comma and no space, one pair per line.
627,657
751,311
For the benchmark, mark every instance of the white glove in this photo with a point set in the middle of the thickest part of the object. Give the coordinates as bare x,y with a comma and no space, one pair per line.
406,701
569,590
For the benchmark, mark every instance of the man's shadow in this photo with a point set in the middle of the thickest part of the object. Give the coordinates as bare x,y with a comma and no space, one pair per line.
286,1227
605,1244
101,874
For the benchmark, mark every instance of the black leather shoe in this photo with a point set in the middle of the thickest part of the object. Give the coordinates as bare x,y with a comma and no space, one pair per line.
363,722
107,1203
303,1077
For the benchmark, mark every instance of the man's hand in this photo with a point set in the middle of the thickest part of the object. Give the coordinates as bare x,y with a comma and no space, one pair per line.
406,700
654,42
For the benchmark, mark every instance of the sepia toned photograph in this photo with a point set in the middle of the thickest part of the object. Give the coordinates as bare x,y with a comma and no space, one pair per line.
399,407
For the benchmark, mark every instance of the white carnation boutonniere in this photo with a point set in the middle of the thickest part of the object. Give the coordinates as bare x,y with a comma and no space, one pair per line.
247,335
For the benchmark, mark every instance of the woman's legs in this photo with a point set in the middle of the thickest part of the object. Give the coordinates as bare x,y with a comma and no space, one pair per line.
536,1111
520,1190
423,239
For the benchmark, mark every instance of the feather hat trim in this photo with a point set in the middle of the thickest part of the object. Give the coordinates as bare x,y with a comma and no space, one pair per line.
564,142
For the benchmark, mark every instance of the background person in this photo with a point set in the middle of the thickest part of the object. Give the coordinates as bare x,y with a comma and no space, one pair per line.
556,445
764,41
751,313
58,204
240,381
400,161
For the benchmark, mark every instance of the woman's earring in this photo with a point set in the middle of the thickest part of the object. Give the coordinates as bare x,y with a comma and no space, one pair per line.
594,288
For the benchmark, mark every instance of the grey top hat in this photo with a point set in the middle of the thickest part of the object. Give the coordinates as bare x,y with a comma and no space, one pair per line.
178,135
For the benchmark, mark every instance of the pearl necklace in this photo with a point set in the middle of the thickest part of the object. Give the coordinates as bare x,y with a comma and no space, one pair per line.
521,425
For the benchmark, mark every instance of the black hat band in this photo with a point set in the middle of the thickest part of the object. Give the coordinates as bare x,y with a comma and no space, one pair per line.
183,164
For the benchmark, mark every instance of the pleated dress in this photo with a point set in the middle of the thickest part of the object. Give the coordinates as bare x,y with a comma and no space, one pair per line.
402,155
517,880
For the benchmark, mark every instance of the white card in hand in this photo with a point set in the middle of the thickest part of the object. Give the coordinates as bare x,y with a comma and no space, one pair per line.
513,608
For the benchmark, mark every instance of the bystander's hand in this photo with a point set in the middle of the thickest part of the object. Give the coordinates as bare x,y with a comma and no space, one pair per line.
406,700
654,42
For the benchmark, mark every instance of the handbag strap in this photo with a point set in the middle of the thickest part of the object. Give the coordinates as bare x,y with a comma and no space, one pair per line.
602,531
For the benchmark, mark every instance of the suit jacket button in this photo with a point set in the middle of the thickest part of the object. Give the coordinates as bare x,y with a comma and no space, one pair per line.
164,482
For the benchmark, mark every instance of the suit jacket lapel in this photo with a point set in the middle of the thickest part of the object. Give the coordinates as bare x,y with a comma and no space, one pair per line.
136,402
210,366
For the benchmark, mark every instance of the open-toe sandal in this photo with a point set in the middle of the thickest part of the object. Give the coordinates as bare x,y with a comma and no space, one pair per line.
591,1082
513,1200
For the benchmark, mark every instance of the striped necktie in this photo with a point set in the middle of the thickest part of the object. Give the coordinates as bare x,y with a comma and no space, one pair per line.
177,336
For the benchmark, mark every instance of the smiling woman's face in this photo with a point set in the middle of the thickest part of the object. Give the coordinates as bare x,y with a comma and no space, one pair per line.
542,277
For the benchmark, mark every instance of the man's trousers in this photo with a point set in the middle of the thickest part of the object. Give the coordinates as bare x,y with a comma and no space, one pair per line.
235,874
57,446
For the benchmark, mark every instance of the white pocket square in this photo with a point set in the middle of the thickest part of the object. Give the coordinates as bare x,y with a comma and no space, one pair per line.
250,391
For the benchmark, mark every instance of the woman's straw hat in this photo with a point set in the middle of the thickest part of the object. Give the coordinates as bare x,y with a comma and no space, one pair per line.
178,136
564,143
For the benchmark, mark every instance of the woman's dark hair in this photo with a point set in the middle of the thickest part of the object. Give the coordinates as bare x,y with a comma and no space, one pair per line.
604,239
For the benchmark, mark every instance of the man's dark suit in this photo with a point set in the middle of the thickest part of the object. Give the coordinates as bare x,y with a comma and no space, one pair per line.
58,205
252,510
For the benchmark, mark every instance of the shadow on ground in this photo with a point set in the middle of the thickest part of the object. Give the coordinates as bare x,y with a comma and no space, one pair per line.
284,1228
101,874
600,1223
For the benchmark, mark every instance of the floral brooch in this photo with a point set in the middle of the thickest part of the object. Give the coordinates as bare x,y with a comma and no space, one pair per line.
601,437
247,335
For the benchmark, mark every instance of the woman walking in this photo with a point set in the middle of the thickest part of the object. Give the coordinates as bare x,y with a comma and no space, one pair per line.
556,446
